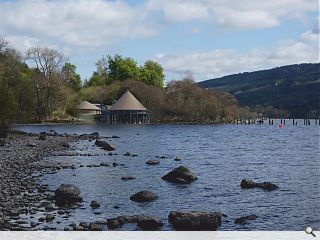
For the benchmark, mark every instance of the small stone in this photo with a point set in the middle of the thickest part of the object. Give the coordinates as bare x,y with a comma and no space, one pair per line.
153,162
49,218
94,204
94,227
128,154
84,224
50,208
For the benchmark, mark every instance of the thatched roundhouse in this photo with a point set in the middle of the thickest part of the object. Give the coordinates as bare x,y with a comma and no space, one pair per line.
128,109
87,111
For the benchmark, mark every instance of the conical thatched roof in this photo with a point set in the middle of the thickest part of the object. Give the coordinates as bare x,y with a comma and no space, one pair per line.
128,102
85,105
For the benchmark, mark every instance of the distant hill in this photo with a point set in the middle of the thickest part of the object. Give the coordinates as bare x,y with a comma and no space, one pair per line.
293,88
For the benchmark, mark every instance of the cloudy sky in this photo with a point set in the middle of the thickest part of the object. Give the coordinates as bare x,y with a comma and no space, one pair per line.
209,38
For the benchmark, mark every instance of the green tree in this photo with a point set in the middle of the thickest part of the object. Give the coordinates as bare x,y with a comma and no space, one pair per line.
70,76
121,69
16,88
152,73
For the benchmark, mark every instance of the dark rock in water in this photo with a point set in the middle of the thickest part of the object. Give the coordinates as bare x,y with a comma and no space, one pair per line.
178,159
66,194
126,178
115,136
104,164
95,204
194,220
144,196
94,227
247,184
115,223
127,154
243,220
49,218
150,224
42,136
153,162
180,175
163,157
105,145
114,164
94,135
134,155
116,207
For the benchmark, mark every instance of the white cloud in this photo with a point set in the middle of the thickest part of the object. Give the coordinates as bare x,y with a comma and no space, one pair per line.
83,24
244,14
222,62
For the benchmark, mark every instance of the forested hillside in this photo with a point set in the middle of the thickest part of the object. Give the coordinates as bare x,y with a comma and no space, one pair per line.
293,89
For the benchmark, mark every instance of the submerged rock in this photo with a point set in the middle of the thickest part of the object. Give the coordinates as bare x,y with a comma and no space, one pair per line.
247,184
104,164
153,162
180,175
126,178
194,220
243,220
178,159
67,194
144,196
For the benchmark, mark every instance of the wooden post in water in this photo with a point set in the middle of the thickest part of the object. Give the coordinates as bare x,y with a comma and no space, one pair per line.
292,121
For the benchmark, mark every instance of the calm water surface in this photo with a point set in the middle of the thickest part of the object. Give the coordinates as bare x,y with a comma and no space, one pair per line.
220,155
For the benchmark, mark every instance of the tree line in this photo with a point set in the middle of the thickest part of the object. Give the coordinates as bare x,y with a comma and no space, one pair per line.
41,85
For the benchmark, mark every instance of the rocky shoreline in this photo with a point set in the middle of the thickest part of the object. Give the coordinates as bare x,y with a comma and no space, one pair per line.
20,166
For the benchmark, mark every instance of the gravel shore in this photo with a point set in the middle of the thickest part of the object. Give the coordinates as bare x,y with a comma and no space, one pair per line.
20,165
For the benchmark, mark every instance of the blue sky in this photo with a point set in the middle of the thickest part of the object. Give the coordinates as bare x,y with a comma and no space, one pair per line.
207,38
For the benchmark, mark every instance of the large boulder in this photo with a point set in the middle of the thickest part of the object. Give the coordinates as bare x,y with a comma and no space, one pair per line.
247,184
144,196
105,145
67,194
180,175
150,224
194,220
